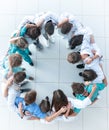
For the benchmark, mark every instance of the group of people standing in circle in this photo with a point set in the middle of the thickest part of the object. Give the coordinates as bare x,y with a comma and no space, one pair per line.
84,51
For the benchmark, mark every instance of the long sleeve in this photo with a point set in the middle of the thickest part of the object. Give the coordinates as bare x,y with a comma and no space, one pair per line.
26,19
80,103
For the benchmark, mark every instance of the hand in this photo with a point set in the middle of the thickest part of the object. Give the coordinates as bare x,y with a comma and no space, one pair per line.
63,109
89,60
94,52
69,105
10,82
27,113
10,73
20,107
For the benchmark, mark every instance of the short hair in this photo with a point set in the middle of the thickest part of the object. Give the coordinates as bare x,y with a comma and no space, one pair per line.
30,97
15,60
33,32
89,75
73,57
75,41
49,27
78,88
19,77
21,42
66,27
45,105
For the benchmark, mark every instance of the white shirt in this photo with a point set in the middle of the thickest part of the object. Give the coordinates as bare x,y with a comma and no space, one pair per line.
46,16
77,26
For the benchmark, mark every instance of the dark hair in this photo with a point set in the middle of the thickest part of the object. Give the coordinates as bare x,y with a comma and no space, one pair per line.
66,27
78,88
73,57
15,60
21,42
49,27
30,97
59,100
89,75
33,32
75,41
19,77
45,105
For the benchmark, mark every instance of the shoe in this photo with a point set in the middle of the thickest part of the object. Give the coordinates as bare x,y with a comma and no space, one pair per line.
38,45
25,90
30,53
31,64
51,39
80,74
47,43
31,78
24,83
80,66
67,45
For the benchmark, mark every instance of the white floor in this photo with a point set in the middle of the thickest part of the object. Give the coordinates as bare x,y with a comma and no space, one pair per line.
51,70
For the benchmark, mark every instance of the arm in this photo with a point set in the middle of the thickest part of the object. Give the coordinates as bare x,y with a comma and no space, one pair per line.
6,87
54,115
68,109
65,20
20,108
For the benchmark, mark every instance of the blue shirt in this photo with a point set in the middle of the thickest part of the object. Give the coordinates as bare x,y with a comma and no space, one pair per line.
32,108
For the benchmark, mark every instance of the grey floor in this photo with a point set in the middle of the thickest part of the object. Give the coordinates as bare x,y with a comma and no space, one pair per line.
51,70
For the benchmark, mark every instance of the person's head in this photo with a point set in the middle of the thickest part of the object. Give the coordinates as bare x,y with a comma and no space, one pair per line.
21,42
30,97
73,57
15,60
59,99
66,27
75,41
19,77
49,28
89,75
45,105
33,32
78,88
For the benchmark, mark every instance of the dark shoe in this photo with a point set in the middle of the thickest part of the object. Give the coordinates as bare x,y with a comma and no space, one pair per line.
80,74
30,53
24,83
31,78
25,90
31,64
80,66
38,45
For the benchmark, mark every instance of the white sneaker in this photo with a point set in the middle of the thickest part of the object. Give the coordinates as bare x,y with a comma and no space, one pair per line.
51,39
67,45
45,42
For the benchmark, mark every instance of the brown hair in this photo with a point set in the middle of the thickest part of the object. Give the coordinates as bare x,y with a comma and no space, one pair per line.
59,100
49,27
33,32
30,97
15,60
21,42
19,77
45,105
73,57
66,27
78,88
89,75
75,41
